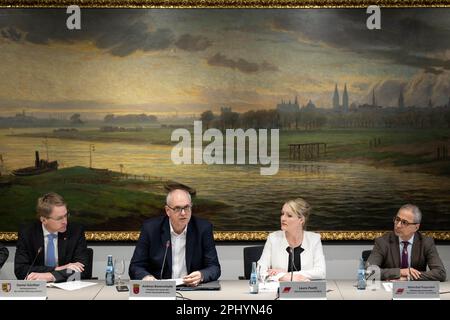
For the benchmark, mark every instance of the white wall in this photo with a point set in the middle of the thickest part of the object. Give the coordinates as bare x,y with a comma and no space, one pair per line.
341,259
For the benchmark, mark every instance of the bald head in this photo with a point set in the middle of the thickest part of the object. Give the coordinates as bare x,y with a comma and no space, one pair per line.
177,194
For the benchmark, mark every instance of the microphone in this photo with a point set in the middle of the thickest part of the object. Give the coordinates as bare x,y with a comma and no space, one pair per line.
370,274
34,261
164,260
291,252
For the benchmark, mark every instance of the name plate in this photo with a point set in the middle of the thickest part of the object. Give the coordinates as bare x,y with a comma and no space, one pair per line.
152,290
296,290
23,290
408,290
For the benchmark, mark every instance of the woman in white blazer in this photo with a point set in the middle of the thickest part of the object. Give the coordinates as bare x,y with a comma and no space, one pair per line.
309,261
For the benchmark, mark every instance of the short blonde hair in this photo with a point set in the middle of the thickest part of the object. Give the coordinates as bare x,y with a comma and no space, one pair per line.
301,208
47,202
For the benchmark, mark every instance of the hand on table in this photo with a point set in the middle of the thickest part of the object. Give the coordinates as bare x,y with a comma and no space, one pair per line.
193,279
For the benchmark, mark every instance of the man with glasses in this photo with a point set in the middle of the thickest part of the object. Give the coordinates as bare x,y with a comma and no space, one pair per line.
176,245
404,254
50,249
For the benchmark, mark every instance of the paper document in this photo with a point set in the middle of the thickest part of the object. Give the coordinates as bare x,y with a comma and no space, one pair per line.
269,286
388,286
71,285
178,281
277,276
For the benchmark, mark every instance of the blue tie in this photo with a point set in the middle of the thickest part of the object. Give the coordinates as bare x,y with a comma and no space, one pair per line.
51,261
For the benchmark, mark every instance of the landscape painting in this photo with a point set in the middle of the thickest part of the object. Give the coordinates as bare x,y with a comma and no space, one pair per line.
362,115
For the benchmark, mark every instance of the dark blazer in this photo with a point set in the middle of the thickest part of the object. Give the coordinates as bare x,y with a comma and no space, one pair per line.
201,252
4,253
386,255
71,248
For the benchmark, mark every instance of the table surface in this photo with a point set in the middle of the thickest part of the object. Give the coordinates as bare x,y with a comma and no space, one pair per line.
87,293
233,290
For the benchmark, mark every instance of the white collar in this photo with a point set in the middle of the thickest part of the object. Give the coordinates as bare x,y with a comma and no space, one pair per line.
46,232
304,241
411,240
172,231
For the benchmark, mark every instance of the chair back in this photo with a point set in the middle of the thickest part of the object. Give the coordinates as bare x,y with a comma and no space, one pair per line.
366,254
251,254
87,274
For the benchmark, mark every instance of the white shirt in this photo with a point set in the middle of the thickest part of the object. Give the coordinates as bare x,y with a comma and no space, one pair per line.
178,242
275,256
411,241
55,243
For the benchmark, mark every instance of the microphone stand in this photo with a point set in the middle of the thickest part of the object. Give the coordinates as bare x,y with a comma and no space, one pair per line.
371,274
34,261
164,260
292,264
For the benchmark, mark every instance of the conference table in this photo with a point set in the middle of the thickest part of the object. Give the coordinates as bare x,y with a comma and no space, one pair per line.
234,290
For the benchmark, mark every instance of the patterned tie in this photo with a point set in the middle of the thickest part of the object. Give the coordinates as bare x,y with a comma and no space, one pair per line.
405,263
51,261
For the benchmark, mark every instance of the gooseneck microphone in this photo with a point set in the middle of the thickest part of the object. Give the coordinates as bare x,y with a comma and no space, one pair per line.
164,260
34,261
370,274
290,250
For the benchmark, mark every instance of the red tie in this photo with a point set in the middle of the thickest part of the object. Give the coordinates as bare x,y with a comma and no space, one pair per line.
405,255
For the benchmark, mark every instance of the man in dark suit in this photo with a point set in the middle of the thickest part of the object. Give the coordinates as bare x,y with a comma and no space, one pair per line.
4,253
58,248
405,253
176,245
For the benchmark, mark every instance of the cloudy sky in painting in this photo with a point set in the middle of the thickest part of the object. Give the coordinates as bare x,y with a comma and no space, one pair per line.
188,61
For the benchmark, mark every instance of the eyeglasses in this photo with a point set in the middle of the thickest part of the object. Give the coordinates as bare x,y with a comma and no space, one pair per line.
403,222
178,210
60,218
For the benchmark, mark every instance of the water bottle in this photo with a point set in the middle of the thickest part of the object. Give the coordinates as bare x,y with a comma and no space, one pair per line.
253,283
109,278
361,275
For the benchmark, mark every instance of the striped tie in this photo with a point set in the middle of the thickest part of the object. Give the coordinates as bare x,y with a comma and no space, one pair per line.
405,263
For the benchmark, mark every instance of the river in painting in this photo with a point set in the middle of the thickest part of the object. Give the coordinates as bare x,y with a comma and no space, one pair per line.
344,196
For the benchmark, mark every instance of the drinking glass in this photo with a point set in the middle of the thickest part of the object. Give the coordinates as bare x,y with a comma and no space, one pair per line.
119,270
